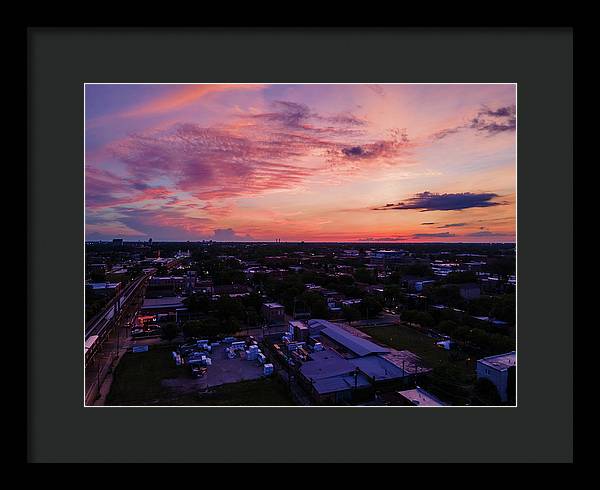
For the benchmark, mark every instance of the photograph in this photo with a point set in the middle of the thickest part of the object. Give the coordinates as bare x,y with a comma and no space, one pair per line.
268,244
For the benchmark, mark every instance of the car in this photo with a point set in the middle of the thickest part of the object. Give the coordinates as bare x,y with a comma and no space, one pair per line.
197,371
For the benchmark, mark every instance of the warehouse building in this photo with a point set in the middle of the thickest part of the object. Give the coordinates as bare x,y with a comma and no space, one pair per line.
497,369
273,313
350,366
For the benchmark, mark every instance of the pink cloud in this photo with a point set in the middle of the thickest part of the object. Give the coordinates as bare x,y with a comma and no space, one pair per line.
253,157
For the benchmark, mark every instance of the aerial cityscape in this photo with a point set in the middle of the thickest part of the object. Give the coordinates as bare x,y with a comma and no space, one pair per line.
300,245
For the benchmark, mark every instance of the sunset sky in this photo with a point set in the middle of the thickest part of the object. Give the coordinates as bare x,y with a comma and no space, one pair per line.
256,162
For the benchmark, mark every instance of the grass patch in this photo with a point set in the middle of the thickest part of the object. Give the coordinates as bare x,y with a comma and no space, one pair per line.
452,380
405,338
264,392
137,378
137,381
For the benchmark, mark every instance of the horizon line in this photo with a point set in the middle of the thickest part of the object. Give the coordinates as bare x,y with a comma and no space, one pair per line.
109,240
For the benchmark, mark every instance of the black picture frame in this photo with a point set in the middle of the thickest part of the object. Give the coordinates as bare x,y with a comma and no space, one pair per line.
61,60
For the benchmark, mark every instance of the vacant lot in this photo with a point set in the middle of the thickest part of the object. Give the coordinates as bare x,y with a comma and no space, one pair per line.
402,337
258,392
144,379
452,380
137,379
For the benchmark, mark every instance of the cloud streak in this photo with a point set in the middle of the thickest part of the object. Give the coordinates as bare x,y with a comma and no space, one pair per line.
248,159
431,201
434,235
486,121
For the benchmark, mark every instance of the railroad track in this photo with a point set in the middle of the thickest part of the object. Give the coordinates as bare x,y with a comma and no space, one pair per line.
98,325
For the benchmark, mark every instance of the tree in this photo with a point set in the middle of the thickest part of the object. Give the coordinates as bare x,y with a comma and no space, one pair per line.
197,303
391,294
315,303
503,266
448,295
419,269
207,327
486,393
370,307
409,316
505,308
461,277
447,326
511,386
351,313
364,275
424,319
227,309
169,331
97,276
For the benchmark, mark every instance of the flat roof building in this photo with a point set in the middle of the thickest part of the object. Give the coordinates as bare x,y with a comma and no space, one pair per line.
104,288
496,369
421,398
170,303
331,378
274,313
357,345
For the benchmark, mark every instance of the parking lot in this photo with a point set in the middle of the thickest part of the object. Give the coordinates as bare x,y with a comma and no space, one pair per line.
222,371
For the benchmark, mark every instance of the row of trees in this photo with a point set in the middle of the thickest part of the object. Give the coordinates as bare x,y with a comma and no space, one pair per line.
490,341
226,309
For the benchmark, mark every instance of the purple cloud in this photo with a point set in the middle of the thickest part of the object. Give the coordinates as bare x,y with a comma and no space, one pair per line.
490,121
452,225
434,235
229,235
431,201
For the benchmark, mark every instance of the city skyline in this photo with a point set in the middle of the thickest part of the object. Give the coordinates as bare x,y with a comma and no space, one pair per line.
320,163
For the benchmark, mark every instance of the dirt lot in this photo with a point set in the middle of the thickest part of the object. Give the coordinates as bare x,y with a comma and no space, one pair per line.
152,378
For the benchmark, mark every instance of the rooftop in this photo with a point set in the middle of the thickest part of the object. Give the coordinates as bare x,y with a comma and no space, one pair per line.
273,305
420,397
326,364
500,362
298,324
102,285
359,346
377,368
340,383
409,362
167,302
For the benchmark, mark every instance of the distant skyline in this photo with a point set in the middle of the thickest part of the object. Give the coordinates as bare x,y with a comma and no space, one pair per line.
316,163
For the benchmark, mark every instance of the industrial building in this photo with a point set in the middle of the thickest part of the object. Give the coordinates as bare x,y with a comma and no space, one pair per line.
337,364
273,314
166,285
168,305
108,289
497,369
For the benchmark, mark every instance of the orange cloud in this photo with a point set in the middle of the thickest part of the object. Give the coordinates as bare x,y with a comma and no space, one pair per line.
188,94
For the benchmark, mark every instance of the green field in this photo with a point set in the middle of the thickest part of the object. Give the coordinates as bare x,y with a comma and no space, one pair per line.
452,380
264,391
137,381
405,338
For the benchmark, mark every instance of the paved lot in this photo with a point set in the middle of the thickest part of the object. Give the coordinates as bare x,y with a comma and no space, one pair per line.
222,371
